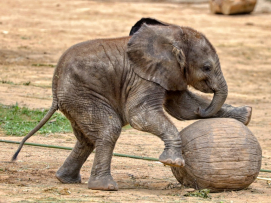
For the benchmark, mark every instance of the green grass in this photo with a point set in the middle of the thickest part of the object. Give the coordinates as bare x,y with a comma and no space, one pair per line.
43,64
6,82
25,83
126,127
204,193
18,121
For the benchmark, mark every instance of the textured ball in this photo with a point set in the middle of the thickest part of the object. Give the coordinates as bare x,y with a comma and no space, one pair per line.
220,154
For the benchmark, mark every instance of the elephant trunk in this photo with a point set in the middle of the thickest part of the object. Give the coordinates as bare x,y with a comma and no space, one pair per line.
220,95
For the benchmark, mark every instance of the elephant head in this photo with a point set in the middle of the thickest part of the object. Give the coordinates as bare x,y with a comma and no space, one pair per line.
175,57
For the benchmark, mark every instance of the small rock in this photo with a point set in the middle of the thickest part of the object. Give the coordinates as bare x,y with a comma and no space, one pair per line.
189,190
249,23
228,7
4,177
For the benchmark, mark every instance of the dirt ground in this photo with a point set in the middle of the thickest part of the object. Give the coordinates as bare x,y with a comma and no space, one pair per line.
38,32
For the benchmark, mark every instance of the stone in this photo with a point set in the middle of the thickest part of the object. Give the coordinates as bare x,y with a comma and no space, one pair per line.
228,7
221,154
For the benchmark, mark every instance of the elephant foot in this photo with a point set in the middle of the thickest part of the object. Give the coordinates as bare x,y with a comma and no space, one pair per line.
102,183
248,114
243,114
68,179
172,158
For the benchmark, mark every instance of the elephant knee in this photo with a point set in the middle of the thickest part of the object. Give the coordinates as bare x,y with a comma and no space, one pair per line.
138,122
109,135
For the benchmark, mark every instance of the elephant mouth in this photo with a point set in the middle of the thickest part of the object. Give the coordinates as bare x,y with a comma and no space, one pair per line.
209,88
204,87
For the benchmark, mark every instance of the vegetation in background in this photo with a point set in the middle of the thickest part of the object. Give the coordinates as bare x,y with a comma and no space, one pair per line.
43,64
24,83
126,127
6,82
199,193
20,121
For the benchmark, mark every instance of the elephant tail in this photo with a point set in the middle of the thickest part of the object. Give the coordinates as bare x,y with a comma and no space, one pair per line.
52,110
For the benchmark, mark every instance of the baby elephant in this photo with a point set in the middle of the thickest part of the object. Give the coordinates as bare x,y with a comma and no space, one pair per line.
104,84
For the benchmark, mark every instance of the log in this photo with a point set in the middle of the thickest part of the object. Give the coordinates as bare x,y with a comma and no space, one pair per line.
221,154
228,7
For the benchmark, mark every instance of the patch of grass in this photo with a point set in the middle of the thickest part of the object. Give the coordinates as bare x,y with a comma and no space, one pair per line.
126,127
24,37
18,121
27,83
6,82
199,193
43,64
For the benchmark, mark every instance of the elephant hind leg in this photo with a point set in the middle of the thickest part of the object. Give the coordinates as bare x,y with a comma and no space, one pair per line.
101,178
69,172
96,125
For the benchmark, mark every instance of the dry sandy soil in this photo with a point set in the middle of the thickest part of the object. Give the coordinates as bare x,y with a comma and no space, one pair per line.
38,32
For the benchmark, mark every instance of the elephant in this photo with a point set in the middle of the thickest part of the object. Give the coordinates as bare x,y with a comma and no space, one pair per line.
104,84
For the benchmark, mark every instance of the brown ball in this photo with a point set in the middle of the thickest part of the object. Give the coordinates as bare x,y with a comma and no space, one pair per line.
220,154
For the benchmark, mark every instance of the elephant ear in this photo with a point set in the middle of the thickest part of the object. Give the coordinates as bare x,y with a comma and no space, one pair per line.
155,55
148,21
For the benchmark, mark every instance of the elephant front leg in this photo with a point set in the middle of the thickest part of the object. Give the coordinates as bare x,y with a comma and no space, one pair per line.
183,106
156,122
144,112
242,114
172,154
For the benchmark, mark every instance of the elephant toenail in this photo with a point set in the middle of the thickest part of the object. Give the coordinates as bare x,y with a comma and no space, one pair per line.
180,162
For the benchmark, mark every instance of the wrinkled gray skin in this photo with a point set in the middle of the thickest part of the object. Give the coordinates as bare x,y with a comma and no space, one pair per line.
102,85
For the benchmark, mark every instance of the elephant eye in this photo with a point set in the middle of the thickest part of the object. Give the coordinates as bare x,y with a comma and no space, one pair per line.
206,68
